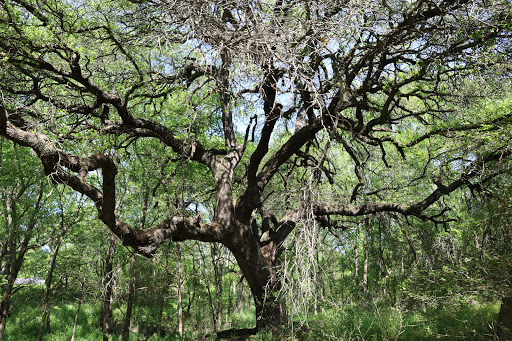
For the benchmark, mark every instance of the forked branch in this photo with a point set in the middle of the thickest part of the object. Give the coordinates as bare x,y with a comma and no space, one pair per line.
418,209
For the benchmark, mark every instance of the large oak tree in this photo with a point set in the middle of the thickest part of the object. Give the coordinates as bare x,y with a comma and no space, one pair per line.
257,92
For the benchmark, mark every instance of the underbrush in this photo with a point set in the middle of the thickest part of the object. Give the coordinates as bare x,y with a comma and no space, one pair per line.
25,320
470,321
450,321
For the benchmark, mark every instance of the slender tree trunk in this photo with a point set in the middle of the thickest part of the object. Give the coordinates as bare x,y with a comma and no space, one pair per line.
15,248
385,272
45,320
161,310
7,291
82,291
315,290
11,270
366,246
8,267
5,306
105,319
356,258
206,278
411,246
163,293
215,254
48,285
76,319
231,294
246,300
320,283
180,290
131,290
192,297
131,299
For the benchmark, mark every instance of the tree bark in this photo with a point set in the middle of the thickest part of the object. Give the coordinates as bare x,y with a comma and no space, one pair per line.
180,290
7,291
366,246
206,278
163,294
130,301
80,299
4,310
215,254
257,266
505,319
356,258
105,319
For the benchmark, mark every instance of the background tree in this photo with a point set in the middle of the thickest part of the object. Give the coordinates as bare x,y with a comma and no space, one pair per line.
24,192
255,96
54,246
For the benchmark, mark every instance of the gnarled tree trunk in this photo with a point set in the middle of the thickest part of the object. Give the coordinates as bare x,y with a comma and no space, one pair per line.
258,267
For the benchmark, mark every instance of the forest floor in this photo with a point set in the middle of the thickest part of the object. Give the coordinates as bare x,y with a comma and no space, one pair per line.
469,321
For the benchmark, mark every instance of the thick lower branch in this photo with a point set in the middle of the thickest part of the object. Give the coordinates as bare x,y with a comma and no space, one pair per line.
176,228
56,161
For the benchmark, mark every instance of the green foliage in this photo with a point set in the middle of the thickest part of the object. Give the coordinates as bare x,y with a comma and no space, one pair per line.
469,321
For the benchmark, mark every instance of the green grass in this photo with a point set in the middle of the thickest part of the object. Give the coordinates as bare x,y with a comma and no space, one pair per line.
451,321
25,320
